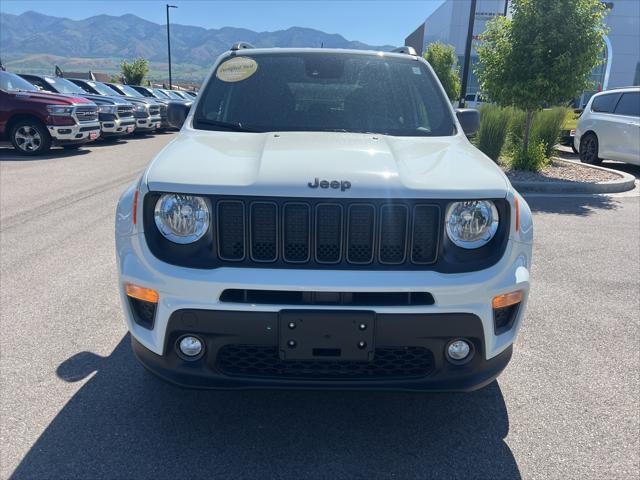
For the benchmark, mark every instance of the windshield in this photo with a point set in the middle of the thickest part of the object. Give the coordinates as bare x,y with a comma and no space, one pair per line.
173,95
10,82
62,85
103,89
130,92
325,92
160,94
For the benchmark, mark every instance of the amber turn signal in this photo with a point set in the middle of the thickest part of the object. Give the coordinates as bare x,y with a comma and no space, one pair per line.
141,293
507,299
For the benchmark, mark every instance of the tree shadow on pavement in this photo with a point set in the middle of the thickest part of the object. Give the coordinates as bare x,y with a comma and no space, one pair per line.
580,205
125,423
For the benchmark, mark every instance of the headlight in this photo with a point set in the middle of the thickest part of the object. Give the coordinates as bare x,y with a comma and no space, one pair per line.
472,224
140,107
108,109
182,218
59,110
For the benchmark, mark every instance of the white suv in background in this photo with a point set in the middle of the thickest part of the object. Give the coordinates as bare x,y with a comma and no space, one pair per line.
609,127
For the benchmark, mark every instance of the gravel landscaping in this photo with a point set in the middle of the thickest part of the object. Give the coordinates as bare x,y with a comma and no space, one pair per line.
564,171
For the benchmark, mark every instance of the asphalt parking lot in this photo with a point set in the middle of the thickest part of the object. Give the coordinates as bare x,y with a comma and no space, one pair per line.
75,404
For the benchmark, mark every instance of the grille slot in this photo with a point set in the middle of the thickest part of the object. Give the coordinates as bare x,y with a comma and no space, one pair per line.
264,231
262,361
328,233
296,227
426,218
360,233
231,230
393,233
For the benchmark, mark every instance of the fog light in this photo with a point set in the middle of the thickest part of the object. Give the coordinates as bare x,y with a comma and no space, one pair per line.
190,346
458,350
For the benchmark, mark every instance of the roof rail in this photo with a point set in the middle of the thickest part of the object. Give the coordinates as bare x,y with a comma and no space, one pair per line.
407,50
241,46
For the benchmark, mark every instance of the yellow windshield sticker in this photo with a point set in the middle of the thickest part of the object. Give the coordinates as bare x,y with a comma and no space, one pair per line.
237,69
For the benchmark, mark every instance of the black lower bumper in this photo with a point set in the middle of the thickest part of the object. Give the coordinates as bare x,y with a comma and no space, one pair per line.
244,350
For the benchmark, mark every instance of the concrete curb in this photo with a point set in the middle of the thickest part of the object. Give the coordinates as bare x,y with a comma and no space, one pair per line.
625,183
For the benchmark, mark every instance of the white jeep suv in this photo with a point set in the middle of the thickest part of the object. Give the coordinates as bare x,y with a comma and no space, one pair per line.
322,221
609,127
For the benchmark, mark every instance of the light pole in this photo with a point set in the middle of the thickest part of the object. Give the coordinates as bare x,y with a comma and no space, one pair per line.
169,45
467,54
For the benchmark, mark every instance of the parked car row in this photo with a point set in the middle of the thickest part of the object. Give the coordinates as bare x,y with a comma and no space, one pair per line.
38,111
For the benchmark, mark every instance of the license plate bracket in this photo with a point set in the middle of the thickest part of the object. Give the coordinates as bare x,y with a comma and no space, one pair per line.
326,335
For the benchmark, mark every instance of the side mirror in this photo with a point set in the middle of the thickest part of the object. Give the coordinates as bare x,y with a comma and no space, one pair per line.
177,113
469,119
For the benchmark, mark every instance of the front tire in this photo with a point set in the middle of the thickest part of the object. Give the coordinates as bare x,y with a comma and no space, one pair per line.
589,149
30,137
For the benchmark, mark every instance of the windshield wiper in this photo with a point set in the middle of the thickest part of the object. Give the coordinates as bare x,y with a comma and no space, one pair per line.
236,127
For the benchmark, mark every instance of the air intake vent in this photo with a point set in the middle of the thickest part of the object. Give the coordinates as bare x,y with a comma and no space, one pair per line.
288,297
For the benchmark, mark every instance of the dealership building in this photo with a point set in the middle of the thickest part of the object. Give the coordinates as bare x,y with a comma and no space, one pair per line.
621,67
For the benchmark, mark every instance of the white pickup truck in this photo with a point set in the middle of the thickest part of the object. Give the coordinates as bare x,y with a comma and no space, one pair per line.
322,221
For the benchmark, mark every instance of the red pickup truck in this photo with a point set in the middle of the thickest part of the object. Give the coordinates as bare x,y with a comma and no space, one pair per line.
34,121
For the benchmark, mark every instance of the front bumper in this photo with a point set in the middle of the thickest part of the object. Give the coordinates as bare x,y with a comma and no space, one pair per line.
148,123
241,351
78,133
465,295
118,126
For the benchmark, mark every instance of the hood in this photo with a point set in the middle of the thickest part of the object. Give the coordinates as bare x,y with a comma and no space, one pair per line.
140,100
102,100
284,164
50,98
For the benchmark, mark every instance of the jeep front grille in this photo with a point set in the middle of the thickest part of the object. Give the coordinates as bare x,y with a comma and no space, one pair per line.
350,232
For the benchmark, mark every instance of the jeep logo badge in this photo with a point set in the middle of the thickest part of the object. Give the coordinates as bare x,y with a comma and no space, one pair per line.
341,184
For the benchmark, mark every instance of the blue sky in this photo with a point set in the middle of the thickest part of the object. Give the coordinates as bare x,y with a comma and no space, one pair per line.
376,22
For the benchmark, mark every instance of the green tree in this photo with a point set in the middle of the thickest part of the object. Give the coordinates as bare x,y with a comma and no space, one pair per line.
542,56
135,71
444,62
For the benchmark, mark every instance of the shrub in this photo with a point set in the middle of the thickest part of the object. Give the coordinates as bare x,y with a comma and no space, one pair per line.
534,158
444,62
494,125
546,127
135,71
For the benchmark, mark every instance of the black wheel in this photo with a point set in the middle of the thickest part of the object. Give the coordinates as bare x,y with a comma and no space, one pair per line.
589,149
30,137
573,147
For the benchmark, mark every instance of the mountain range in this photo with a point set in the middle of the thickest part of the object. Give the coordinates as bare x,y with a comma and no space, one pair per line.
34,42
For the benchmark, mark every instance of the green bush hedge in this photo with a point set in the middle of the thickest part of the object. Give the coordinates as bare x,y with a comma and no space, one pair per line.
502,130
546,127
494,125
